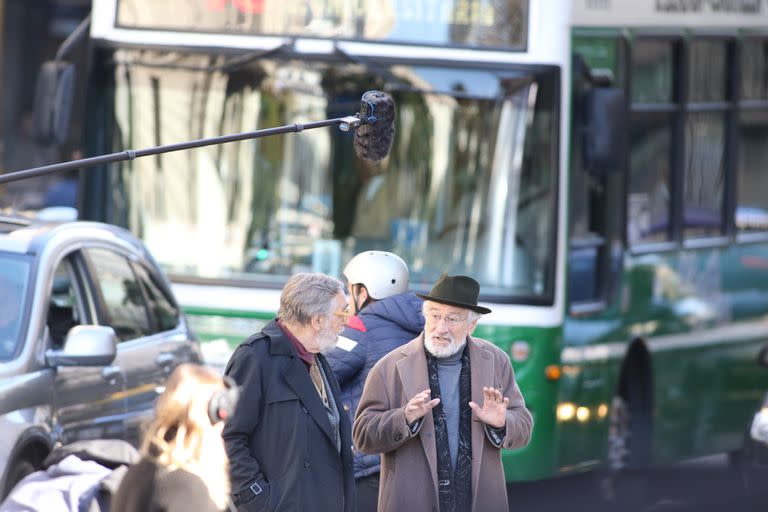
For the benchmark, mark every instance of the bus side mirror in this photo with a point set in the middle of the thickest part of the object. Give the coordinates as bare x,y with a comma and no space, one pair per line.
605,116
54,96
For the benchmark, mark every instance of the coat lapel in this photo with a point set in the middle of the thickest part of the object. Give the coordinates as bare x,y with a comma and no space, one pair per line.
297,377
482,374
413,375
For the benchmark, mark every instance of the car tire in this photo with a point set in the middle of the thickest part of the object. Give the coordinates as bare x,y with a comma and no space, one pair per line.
617,451
620,486
751,465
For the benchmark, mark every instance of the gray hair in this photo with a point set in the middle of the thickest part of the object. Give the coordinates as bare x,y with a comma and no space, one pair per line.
306,295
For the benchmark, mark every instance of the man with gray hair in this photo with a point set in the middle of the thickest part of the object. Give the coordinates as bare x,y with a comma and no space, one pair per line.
289,441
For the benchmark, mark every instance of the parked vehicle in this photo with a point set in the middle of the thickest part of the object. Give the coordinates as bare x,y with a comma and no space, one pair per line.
755,457
89,330
759,430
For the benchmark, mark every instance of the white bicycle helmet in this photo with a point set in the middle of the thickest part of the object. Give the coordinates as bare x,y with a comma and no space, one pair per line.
384,274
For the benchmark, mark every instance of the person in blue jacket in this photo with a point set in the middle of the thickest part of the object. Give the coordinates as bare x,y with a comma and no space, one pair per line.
386,317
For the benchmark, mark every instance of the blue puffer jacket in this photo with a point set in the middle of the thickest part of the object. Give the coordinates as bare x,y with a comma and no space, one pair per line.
378,329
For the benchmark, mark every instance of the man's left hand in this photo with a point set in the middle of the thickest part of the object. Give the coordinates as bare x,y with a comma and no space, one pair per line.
494,409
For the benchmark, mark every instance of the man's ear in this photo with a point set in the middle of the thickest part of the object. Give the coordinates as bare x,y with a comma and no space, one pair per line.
472,327
359,297
363,293
316,322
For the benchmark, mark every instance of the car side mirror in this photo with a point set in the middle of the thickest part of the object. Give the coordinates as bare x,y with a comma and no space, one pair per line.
54,97
85,345
605,129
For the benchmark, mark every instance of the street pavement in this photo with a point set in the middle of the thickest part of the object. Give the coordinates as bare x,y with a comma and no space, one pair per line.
703,485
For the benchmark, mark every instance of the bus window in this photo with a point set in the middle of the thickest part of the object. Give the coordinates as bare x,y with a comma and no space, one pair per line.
652,125
752,180
704,160
653,71
31,34
704,174
754,69
649,179
708,71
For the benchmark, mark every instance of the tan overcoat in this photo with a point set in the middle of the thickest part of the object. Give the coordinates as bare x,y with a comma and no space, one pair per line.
409,461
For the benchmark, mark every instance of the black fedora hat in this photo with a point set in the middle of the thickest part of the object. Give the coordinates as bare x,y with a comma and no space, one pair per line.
459,291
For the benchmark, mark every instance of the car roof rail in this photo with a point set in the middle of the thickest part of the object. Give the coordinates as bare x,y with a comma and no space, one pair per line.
11,221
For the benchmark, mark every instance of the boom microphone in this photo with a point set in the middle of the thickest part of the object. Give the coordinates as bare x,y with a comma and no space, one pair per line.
373,139
375,125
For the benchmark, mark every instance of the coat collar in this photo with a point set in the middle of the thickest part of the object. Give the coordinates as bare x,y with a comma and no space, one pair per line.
279,344
412,369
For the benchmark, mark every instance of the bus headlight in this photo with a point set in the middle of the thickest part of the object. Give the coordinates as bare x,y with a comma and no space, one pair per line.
582,414
566,411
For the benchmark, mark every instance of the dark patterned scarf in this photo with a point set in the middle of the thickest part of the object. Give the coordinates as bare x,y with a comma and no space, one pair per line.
454,485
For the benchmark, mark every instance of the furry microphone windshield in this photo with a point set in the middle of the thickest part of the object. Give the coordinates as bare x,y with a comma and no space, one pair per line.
373,138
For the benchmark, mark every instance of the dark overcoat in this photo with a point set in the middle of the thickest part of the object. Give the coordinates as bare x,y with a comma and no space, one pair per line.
280,437
409,460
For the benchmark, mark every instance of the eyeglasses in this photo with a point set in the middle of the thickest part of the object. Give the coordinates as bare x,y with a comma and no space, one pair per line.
345,314
452,320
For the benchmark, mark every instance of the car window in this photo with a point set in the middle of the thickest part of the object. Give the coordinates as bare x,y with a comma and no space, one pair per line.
14,275
164,314
63,310
121,297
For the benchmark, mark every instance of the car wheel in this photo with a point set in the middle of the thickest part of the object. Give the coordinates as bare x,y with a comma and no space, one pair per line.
751,465
617,453
620,484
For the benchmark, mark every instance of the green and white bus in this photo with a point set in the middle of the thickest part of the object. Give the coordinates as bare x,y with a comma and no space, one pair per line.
600,166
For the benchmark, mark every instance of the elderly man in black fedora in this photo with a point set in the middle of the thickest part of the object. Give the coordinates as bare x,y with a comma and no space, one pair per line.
440,409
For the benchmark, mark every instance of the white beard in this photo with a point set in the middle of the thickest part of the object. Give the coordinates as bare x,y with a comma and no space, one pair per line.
326,339
443,351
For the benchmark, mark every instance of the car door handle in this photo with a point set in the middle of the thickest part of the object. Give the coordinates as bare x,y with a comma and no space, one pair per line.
165,360
111,373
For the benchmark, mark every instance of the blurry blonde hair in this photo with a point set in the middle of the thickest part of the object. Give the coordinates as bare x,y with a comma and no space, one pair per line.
181,435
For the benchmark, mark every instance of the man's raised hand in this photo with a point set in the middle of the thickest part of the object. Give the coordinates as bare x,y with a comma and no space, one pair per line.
494,409
419,405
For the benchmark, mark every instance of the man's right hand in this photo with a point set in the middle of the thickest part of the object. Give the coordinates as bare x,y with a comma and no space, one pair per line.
419,405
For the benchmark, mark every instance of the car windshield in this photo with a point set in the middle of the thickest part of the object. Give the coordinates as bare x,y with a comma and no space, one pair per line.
14,279
469,186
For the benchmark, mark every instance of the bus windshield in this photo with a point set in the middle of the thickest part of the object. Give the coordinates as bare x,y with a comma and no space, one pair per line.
469,186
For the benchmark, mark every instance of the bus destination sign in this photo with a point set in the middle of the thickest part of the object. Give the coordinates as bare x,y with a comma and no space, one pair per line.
473,23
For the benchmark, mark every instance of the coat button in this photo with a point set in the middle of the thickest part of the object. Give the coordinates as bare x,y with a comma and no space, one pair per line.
398,436
305,410
306,464
346,408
